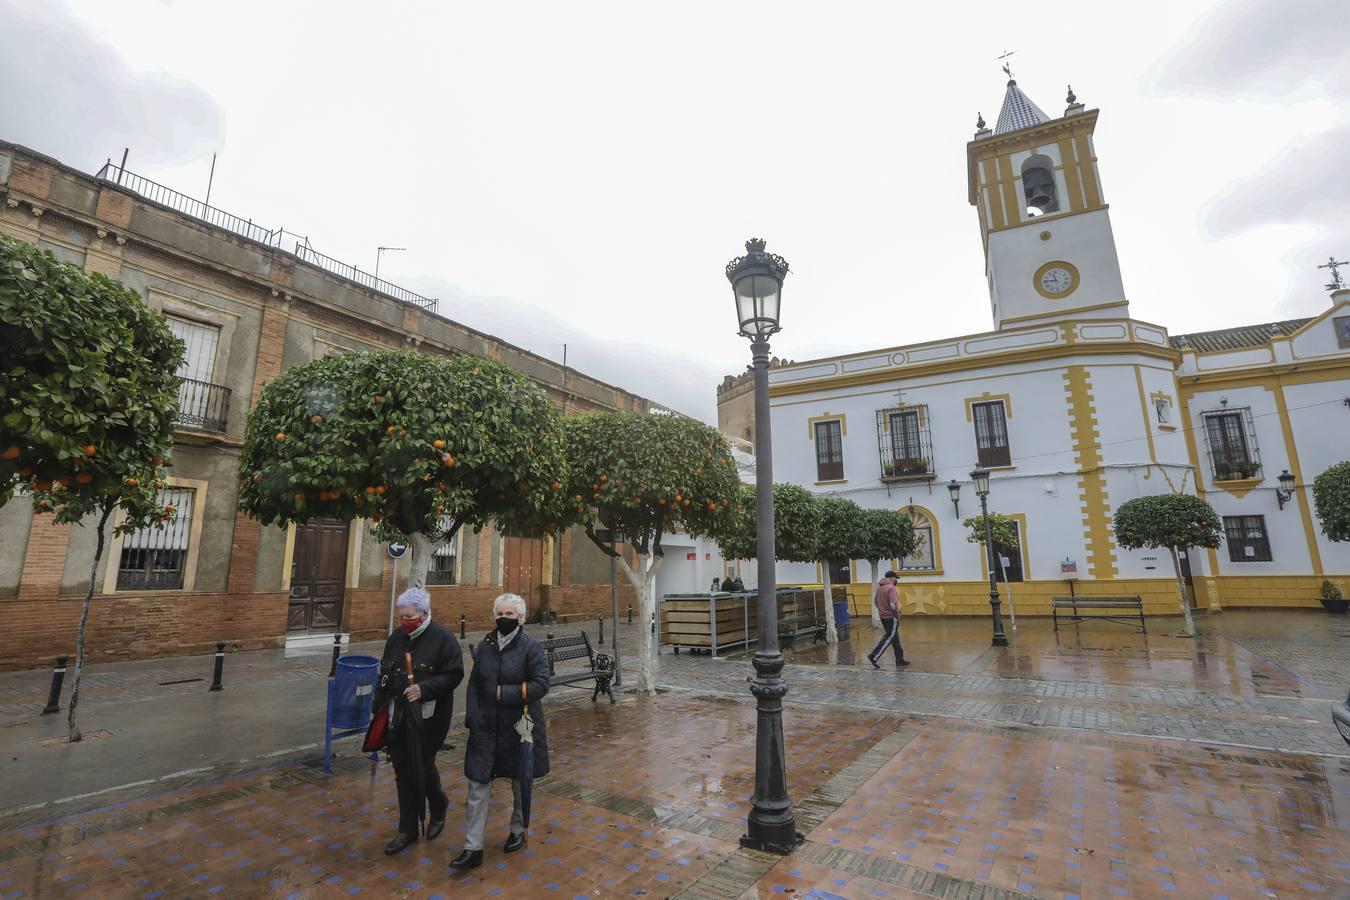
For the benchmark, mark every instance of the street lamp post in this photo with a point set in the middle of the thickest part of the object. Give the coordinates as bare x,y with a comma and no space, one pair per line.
757,283
981,478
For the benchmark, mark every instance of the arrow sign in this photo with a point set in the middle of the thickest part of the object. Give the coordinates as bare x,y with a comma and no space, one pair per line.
397,549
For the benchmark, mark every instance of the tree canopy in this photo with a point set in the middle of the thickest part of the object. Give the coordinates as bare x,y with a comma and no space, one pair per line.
1167,520
796,526
842,532
1002,528
1331,496
886,534
419,444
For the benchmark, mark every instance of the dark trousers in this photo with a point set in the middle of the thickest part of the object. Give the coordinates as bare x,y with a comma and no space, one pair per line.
410,802
891,636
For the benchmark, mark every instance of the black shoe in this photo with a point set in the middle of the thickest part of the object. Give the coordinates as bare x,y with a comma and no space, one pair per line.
902,663
514,842
875,664
469,859
399,842
435,827
436,820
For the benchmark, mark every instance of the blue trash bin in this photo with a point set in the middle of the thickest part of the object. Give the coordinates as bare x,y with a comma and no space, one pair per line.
841,616
353,689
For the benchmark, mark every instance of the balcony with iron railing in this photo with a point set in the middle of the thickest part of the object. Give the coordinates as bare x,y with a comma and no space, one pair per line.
905,444
202,405
279,238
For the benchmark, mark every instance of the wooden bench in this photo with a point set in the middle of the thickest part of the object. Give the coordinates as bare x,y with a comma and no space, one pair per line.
1136,604
599,666
793,627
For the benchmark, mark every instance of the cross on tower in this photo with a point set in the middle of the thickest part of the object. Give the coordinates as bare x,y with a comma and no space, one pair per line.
1007,66
1337,282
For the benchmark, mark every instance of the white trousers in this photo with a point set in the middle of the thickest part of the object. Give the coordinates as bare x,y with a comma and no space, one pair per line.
476,826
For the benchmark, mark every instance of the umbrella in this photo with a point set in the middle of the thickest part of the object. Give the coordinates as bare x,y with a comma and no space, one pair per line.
525,728
407,725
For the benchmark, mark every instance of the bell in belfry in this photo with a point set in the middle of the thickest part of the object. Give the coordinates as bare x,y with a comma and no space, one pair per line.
1039,187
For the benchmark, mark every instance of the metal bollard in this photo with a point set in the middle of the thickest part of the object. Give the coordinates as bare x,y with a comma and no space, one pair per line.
653,623
602,630
337,651
461,626
220,666
630,614
550,635
58,678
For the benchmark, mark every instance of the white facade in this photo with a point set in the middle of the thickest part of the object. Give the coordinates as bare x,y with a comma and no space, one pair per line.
1076,408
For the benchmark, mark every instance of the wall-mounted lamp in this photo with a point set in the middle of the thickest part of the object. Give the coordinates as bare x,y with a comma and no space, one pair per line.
1285,492
954,488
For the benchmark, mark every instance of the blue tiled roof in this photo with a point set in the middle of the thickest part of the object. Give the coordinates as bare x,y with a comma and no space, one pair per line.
1018,111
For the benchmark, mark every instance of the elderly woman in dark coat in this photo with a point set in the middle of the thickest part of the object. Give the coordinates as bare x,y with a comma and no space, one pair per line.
510,673
438,668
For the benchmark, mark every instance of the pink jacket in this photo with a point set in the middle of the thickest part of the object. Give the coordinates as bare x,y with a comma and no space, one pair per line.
887,599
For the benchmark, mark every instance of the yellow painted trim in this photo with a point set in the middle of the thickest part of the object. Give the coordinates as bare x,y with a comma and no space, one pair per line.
1087,165
1023,545
112,560
837,481
1072,182
990,184
1238,487
545,564
987,397
811,424
1092,491
1148,424
356,532
1062,315
288,556
1056,264
1301,489
1265,376
937,541
1011,202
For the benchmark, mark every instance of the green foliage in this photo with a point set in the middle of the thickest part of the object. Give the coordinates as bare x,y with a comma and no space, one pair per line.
401,439
1331,592
88,392
1331,496
641,475
1002,528
842,532
886,534
1167,520
796,526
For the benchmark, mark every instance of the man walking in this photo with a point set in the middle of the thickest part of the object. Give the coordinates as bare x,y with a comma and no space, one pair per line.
888,608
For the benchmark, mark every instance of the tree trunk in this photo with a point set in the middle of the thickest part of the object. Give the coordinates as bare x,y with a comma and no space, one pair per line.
422,549
75,735
831,632
1181,592
876,579
644,582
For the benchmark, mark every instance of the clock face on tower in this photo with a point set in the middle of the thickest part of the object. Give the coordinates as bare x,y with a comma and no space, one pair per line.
1056,279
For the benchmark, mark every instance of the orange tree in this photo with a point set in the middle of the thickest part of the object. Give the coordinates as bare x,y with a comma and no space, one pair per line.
419,445
1174,521
886,534
643,476
88,396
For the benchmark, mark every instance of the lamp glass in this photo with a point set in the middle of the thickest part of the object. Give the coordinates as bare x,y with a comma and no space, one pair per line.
954,488
757,304
981,478
1287,480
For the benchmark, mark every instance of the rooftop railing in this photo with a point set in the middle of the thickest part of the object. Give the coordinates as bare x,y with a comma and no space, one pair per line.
246,228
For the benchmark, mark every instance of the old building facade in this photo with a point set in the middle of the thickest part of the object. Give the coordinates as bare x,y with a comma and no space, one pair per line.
248,303
1075,407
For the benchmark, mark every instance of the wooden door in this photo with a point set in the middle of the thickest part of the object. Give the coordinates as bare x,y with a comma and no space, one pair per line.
522,568
318,571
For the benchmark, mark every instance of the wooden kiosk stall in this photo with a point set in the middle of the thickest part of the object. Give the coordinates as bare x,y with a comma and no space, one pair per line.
714,622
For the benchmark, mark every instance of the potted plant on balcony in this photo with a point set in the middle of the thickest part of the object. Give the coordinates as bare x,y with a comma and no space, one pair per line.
903,467
1333,601
1236,471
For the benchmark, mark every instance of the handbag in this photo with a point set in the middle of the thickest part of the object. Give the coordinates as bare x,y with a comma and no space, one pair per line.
377,735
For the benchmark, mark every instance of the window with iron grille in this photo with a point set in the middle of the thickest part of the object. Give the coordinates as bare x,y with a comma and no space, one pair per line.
156,558
830,450
904,442
444,558
201,403
1247,539
991,433
1231,437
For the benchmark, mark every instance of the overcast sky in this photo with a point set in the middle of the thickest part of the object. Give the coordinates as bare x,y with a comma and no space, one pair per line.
581,172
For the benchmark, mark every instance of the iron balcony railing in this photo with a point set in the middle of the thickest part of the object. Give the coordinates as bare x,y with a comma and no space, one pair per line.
188,206
158,193
904,443
203,405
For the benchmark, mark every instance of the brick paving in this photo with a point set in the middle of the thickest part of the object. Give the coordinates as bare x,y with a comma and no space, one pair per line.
1091,766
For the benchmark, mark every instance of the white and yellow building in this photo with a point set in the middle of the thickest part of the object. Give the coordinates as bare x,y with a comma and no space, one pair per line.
1076,407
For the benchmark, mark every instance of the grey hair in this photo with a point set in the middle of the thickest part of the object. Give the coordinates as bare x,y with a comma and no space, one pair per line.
515,600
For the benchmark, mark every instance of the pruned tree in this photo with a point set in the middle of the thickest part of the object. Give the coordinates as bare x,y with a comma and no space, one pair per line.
642,476
88,397
419,445
886,534
1331,497
1174,521
842,533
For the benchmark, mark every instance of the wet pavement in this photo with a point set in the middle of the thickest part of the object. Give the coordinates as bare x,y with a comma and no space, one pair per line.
1095,764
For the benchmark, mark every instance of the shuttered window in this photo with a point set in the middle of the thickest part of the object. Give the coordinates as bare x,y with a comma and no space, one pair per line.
830,451
443,559
156,558
1247,538
991,434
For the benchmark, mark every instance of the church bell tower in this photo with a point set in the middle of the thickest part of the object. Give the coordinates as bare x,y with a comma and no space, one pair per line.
1048,247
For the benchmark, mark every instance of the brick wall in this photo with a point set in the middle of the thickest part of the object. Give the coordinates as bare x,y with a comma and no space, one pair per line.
45,562
139,626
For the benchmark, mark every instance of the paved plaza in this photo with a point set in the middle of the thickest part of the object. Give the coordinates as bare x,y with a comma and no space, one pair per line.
1095,763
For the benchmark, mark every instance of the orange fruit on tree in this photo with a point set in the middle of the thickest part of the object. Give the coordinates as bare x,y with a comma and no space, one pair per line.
315,420
11,452
157,461
370,489
281,436
604,478
438,444
84,478
389,430
131,482
380,489
555,485
299,498
89,449
448,460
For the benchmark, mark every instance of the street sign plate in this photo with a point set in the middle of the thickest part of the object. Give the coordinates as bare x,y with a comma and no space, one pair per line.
397,549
